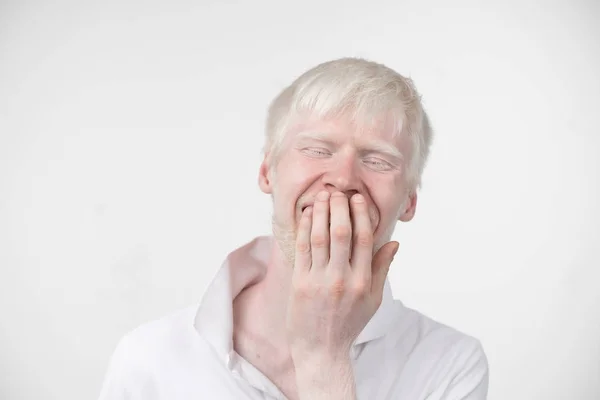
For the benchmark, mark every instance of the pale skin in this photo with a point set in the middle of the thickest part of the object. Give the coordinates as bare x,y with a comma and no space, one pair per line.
336,289
340,192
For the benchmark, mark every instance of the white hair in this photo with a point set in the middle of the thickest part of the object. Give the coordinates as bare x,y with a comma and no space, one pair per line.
361,90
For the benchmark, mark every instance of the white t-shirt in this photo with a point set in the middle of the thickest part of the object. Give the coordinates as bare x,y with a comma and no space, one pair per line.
400,354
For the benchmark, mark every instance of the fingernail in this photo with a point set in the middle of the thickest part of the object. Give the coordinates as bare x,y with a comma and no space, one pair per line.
323,196
358,198
396,249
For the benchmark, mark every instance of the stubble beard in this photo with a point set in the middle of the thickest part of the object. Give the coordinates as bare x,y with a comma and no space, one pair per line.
285,237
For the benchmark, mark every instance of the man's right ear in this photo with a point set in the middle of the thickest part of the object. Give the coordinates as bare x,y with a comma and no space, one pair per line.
265,176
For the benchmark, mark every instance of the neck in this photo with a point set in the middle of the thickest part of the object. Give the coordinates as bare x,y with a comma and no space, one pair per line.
260,310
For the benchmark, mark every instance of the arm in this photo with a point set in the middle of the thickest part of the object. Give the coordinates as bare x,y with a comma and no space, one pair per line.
337,285
113,385
331,380
126,377
470,382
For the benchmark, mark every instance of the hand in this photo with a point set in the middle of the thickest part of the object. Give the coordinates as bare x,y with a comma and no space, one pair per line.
337,283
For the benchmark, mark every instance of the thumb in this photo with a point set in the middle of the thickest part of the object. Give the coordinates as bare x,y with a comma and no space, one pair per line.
381,265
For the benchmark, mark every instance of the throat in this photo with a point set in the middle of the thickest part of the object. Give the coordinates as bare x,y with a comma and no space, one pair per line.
259,326
259,318
272,360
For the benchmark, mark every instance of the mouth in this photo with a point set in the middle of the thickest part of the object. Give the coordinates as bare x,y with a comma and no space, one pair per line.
304,207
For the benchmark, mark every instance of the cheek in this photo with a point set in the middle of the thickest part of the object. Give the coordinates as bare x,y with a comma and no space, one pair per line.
297,173
292,180
387,198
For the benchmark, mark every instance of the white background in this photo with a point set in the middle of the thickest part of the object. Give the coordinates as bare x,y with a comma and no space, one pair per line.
130,138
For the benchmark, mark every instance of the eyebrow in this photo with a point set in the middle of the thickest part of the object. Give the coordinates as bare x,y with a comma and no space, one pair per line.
374,146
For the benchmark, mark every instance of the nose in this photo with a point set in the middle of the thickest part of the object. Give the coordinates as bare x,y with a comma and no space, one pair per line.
343,176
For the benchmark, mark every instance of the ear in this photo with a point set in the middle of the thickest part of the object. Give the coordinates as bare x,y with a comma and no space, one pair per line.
265,176
411,207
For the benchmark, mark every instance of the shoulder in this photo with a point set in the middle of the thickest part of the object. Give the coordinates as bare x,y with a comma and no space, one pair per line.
442,358
159,334
432,332
141,354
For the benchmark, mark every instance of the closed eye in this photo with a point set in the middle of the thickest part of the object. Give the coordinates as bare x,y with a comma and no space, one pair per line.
378,164
317,152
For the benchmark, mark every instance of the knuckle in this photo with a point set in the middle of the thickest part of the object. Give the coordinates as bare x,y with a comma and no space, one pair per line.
319,240
364,239
361,289
303,247
342,232
303,290
337,288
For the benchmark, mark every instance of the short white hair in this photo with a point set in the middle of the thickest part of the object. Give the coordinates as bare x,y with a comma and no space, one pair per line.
361,90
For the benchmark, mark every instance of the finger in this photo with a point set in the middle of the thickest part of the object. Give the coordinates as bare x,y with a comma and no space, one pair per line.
302,258
362,237
340,231
319,238
381,265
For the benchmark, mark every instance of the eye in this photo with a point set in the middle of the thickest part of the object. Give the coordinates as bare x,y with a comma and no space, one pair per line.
317,152
378,164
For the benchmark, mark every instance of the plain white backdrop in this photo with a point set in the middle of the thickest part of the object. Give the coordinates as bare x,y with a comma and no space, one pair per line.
130,139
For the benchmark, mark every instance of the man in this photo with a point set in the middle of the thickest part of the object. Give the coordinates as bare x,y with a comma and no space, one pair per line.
307,313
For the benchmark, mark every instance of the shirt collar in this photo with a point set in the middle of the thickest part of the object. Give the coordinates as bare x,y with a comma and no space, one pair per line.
244,266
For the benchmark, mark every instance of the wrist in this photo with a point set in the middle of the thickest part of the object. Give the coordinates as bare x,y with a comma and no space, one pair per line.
319,369
311,359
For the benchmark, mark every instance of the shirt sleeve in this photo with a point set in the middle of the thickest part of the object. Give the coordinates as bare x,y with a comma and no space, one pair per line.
126,377
471,380
114,385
